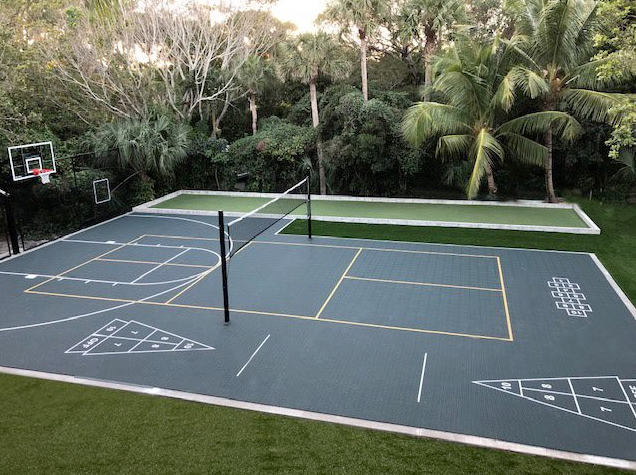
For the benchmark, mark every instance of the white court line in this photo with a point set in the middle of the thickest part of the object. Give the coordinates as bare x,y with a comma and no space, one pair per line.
631,405
110,282
578,408
419,394
253,354
154,246
335,419
159,266
106,310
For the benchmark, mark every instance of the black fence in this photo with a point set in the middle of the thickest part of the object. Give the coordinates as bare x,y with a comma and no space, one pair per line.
5,241
44,212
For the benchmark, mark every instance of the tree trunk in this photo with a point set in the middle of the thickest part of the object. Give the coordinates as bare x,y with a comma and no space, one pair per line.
254,113
316,121
429,51
492,186
549,185
363,64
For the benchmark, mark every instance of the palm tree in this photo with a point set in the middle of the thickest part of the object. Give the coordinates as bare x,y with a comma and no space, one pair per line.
306,58
252,76
558,67
363,15
426,21
142,146
469,122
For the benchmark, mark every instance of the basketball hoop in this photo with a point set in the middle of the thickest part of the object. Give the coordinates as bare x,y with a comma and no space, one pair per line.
44,174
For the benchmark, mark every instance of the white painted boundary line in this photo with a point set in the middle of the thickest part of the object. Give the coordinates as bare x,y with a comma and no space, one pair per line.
591,229
457,224
348,421
253,355
419,393
615,286
63,238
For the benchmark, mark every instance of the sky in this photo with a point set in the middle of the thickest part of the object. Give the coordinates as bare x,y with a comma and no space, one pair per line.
300,12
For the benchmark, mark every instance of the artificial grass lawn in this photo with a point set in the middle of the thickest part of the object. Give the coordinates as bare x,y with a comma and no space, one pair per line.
377,210
49,427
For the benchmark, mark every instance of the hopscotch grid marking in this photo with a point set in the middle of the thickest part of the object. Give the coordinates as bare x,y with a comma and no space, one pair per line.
253,354
419,393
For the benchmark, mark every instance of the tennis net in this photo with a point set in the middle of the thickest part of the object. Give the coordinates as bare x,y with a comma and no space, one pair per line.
246,228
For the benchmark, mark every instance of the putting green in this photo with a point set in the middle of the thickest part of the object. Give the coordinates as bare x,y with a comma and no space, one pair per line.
512,215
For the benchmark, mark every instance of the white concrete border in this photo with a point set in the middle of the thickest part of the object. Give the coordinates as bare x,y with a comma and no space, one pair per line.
615,286
591,229
348,421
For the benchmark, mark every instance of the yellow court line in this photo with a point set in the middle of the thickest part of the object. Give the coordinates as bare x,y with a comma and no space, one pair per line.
154,263
333,291
333,246
84,263
202,277
205,274
505,300
301,317
405,251
427,284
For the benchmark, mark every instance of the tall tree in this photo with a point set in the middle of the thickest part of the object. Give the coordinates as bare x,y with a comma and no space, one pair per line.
427,21
559,67
306,58
469,123
252,77
182,55
361,15
142,146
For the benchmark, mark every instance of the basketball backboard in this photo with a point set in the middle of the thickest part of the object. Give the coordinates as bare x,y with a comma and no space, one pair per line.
25,159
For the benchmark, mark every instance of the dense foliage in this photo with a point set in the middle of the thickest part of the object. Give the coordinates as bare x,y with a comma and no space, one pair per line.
235,111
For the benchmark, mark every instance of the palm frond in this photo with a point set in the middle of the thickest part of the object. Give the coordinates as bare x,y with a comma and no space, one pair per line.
586,75
559,30
460,90
427,119
484,151
594,105
453,145
563,125
504,96
524,149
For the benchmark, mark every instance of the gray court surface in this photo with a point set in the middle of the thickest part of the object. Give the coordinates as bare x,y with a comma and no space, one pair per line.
524,350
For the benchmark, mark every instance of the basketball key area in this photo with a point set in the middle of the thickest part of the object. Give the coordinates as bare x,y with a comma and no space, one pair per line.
519,349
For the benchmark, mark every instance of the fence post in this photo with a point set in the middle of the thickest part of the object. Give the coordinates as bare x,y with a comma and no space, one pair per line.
12,227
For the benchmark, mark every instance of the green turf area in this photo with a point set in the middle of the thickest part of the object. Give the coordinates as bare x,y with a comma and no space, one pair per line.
57,428
412,211
49,427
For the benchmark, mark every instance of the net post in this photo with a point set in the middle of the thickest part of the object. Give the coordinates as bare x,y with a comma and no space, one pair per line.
309,206
226,299
12,227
